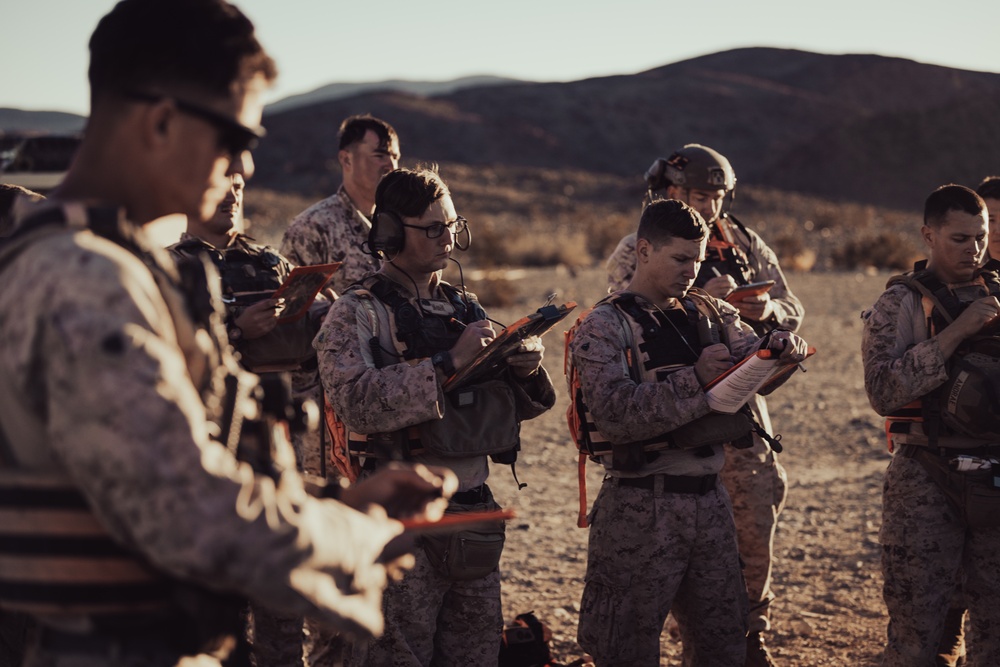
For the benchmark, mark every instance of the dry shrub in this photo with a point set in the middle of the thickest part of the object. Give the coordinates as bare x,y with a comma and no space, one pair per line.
793,255
494,292
887,250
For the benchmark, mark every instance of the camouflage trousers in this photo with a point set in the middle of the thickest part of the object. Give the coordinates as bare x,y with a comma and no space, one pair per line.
924,546
651,552
757,485
431,620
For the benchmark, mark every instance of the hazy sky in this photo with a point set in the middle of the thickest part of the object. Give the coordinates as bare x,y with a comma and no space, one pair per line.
43,51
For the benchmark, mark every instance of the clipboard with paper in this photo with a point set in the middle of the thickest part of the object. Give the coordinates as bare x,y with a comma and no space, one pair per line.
301,287
491,358
760,370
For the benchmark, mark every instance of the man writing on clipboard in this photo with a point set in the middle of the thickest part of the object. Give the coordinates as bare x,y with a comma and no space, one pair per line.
736,256
388,345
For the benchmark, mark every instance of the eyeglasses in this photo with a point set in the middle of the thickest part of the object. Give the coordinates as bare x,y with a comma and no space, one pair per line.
436,229
234,138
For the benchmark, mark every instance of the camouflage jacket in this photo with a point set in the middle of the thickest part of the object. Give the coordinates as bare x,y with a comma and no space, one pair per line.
102,350
375,400
626,411
762,264
331,230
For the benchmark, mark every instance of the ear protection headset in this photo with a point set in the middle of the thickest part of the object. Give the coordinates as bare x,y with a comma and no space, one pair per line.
387,235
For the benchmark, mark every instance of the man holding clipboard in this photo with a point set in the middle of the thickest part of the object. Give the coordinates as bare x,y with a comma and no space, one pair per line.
740,268
662,536
386,351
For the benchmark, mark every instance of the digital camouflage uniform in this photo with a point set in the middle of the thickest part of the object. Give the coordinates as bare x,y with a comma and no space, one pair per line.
754,477
924,544
651,551
127,391
331,230
430,619
247,267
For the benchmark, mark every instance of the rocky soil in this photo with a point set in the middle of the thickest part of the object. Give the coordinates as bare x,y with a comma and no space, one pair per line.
828,609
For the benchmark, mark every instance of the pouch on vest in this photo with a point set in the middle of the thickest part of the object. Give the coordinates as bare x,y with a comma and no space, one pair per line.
712,429
486,416
468,554
284,348
970,398
973,495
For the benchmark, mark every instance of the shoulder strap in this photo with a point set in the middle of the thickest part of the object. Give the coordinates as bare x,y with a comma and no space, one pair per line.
633,352
707,307
367,301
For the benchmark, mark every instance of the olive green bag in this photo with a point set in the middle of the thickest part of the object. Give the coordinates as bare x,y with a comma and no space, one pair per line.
468,554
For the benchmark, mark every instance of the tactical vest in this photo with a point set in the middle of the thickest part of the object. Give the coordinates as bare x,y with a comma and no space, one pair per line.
484,414
941,304
251,273
656,346
723,255
248,273
56,558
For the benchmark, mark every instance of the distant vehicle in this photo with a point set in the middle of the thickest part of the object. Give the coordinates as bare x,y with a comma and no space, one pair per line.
36,161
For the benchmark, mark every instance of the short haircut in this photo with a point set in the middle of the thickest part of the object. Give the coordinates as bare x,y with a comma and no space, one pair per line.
208,44
354,128
410,192
989,188
666,219
951,197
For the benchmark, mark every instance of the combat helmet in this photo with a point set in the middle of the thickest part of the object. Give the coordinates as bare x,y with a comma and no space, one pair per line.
693,166
970,398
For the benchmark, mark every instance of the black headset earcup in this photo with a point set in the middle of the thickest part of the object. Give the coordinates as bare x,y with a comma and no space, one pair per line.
387,236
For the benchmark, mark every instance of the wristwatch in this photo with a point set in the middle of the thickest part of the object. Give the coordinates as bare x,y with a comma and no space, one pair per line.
235,333
443,361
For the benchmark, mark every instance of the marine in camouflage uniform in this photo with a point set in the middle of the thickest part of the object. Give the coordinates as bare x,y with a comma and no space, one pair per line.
333,230
146,488
122,386
250,273
381,380
755,479
662,534
925,544
329,231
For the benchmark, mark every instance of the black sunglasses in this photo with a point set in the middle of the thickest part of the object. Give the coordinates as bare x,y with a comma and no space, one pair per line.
436,229
235,138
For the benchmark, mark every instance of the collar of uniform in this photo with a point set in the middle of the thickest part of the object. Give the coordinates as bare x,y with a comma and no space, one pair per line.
346,200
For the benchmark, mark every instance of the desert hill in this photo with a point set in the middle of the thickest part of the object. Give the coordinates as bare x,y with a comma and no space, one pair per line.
846,127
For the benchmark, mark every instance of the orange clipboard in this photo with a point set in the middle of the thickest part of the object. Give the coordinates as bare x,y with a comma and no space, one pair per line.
450,523
300,289
491,358
753,289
